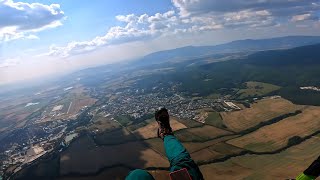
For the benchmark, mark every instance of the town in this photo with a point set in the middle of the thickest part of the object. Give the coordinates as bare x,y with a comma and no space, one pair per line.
53,131
135,104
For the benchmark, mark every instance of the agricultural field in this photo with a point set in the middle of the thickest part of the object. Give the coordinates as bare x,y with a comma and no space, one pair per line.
116,136
124,120
192,147
156,144
256,89
225,149
208,132
277,135
260,111
188,123
186,136
200,134
102,124
132,154
135,144
284,165
215,151
78,104
68,105
215,119
119,171
196,146
150,130
16,115
205,155
134,127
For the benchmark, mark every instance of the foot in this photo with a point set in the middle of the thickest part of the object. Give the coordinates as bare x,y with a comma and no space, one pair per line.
164,130
162,118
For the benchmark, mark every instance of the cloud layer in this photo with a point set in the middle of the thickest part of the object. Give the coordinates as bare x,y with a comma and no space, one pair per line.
20,20
9,62
276,7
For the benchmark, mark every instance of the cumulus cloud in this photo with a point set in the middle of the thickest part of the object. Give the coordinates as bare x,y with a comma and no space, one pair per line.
134,28
20,20
196,16
115,35
191,7
137,28
254,13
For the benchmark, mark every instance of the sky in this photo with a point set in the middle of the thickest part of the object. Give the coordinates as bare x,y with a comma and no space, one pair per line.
43,38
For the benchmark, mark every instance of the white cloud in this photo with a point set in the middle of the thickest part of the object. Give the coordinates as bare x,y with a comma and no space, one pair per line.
249,18
10,62
192,7
195,16
192,22
137,28
20,20
32,36
253,13
303,17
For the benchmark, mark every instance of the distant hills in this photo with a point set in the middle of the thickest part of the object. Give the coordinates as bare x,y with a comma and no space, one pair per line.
287,68
299,56
99,74
231,47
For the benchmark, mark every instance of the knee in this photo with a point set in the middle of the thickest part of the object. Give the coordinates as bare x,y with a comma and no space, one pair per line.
139,174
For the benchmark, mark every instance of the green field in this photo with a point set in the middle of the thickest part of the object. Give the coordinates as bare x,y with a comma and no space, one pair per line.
215,119
124,120
189,123
114,137
256,89
185,136
134,127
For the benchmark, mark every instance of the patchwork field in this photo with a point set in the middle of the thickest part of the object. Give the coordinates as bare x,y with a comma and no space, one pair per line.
102,123
256,89
16,115
225,149
200,134
157,144
114,150
188,123
215,119
150,130
116,136
78,104
83,156
263,110
284,165
275,136
208,132
205,155
108,173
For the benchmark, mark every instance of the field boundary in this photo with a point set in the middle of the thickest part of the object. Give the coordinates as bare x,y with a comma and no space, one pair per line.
248,152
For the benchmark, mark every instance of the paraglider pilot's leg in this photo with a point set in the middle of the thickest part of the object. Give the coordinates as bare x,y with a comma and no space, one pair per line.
179,157
139,174
176,153
312,172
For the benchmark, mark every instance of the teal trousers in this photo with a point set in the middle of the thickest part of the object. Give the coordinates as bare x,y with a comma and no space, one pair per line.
178,157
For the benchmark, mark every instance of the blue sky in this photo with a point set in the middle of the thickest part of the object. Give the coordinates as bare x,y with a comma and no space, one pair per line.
83,15
40,38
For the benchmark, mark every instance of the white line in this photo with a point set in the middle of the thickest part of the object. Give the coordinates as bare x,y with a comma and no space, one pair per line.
69,107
